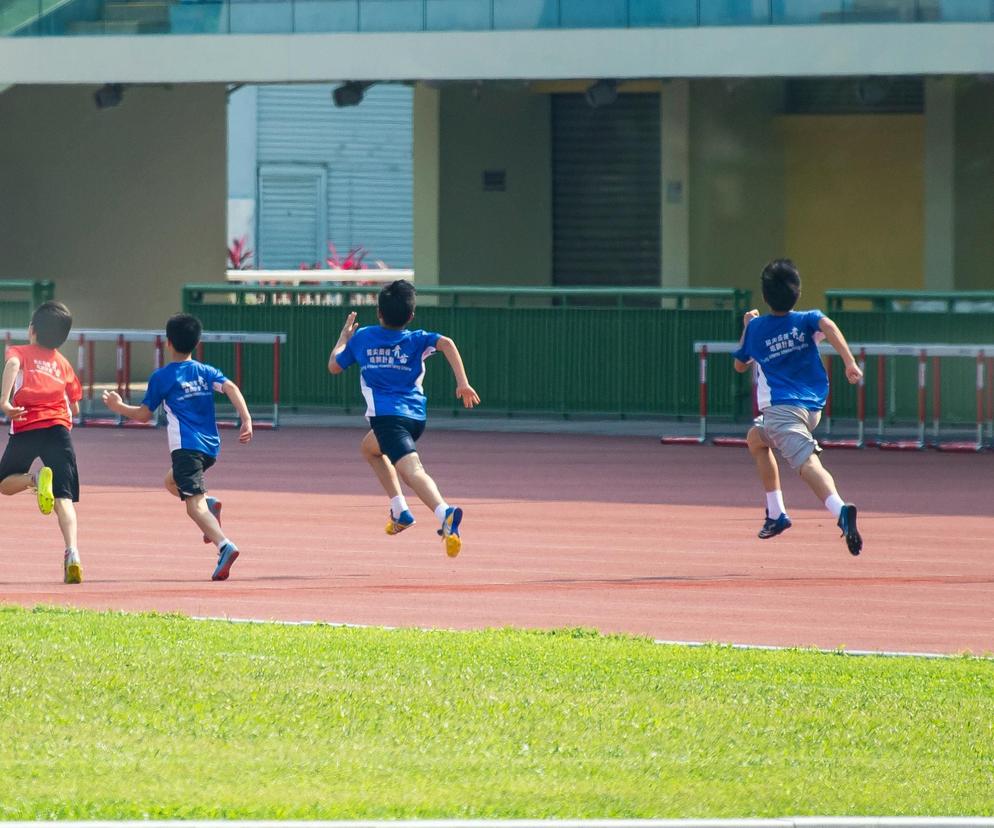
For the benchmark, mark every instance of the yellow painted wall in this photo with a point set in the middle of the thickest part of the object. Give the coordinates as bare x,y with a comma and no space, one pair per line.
854,198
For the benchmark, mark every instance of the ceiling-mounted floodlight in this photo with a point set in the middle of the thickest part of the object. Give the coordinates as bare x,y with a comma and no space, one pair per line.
108,95
350,93
602,93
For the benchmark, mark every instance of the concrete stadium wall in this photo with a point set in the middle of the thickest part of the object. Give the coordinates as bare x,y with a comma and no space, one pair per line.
495,237
974,183
119,207
737,211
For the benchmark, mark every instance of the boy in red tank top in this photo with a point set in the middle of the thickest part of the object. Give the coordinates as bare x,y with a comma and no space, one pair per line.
40,396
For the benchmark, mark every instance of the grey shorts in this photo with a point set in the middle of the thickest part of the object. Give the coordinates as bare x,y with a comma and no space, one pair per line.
788,429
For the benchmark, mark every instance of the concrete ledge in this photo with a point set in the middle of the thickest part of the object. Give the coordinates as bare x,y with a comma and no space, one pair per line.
739,51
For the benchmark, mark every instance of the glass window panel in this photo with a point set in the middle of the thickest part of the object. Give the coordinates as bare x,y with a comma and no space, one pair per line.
578,14
261,16
526,14
957,10
198,18
807,11
663,12
734,12
391,15
458,15
326,15
879,11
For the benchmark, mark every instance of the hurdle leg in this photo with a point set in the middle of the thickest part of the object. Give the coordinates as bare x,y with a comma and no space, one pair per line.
276,382
936,398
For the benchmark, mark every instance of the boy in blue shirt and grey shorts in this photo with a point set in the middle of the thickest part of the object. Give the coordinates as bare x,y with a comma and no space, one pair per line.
391,370
792,387
186,388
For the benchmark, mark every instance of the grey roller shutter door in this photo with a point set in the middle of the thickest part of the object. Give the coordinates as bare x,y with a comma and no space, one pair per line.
367,151
292,223
606,191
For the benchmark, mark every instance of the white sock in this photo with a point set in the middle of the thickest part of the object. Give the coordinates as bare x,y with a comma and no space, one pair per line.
774,504
834,504
441,510
221,543
398,504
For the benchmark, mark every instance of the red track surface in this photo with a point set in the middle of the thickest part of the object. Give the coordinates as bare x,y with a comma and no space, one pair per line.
620,534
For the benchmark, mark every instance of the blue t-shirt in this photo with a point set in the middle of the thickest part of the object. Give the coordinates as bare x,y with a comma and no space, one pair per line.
186,390
392,369
785,350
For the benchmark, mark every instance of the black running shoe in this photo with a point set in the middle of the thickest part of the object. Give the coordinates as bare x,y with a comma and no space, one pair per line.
847,523
772,528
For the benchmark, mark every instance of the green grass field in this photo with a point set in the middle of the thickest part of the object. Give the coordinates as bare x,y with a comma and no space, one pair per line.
116,716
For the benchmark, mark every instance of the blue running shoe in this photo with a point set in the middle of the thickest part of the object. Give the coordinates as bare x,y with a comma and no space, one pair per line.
214,507
847,523
226,556
396,525
450,531
772,528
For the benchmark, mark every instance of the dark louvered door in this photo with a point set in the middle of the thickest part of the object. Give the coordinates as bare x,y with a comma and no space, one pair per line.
606,191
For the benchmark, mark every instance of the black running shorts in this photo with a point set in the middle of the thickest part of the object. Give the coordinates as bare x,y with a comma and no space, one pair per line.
188,471
397,435
54,447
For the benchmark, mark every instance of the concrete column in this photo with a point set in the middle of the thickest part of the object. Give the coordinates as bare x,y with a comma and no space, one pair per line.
243,146
675,212
940,158
427,143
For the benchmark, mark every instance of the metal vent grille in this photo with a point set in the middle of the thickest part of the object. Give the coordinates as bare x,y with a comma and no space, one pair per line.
839,96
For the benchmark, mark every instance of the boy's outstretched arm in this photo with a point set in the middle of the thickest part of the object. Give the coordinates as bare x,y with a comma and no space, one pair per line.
464,390
10,370
350,327
838,341
113,401
233,393
741,366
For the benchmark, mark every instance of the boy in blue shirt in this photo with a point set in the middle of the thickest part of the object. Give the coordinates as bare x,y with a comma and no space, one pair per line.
391,362
186,388
792,389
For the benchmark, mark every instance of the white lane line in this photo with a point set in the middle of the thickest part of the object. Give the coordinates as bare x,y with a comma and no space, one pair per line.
660,641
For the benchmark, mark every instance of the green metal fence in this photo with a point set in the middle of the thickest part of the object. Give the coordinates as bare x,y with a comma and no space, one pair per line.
958,381
18,299
542,350
922,301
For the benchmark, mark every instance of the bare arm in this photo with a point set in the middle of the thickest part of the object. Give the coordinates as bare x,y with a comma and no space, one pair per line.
233,393
139,413
350,327
838,341
10,371
464,390
739,365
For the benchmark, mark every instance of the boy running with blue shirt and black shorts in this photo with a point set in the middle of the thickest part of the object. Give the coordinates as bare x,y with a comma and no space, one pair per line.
185,388
391,362
792,387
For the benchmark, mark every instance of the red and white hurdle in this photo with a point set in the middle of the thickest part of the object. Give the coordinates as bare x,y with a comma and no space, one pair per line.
882,351
124,340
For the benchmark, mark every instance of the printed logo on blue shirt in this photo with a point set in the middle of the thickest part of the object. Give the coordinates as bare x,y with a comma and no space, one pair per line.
186,392
790,367
391,367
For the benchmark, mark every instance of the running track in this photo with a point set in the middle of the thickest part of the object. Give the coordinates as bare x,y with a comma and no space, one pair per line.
620,534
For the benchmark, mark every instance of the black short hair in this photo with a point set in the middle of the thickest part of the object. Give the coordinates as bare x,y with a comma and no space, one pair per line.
396,303
52,322
183,332
781,285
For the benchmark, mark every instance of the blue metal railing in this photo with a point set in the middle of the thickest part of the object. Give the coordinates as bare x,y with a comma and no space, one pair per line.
41,17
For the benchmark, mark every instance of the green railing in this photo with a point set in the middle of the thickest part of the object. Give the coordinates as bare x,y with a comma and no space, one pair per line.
958,375
928,301
18,299
527,350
